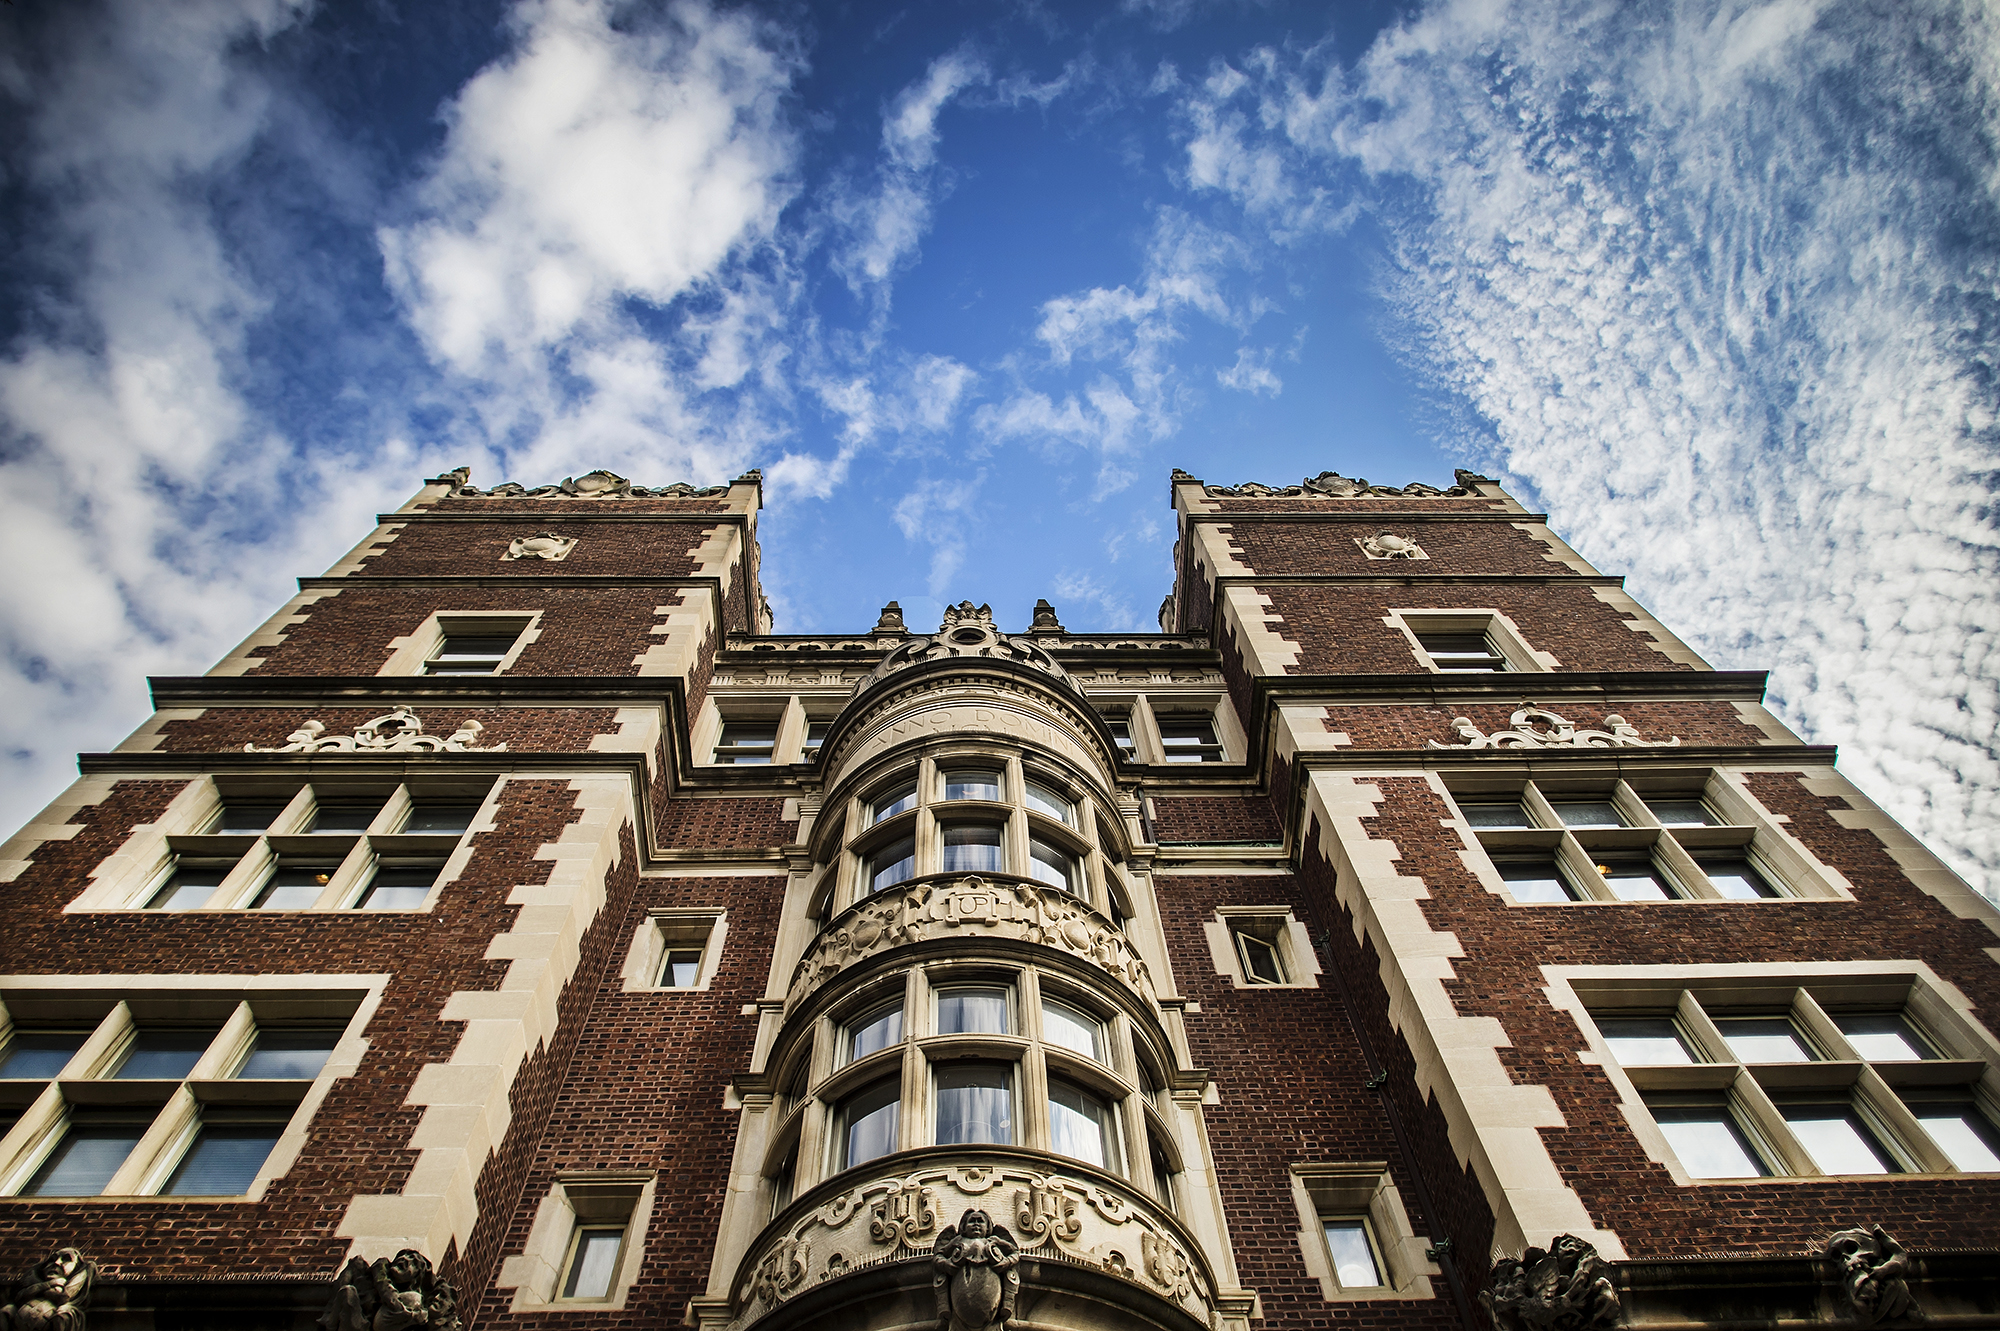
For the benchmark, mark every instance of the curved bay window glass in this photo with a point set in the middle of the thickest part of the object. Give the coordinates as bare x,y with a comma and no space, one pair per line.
1045,799
973,848
1073,1030
875,1030
1051,864
899,798
971,783
1082,1126
975,1104
980,1010
868,1124
893,864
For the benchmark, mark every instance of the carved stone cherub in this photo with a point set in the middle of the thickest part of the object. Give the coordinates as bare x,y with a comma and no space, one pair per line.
391,1296
1873,1274
972,1272
53,1294
1565,1288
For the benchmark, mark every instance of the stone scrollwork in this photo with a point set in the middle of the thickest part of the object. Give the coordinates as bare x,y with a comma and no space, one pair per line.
956,907
591,485
391,1296
784,1268
53,1294
1166,1265
400,731
1332,485
1046,1210
542,545
968,631
1563,1288
1534,727
972,1272
1388,545
902,1215
1874,1273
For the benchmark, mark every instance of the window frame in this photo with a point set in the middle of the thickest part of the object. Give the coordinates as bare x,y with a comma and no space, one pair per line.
1503,636
1364,1190
413,653
669,929
1278,927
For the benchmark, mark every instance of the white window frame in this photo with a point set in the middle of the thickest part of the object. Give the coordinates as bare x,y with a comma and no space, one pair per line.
576,1202
1363,1188
675,929
1499,629
413,652
1277,925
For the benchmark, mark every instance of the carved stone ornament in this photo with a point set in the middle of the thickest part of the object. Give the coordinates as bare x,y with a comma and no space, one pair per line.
967,907
391,1296
1874,1273
968,631
973,1275
891,620
542,545
1332,485
52,1295
399,731
1566,1288
1388,545
1045,619
590,485
1536,728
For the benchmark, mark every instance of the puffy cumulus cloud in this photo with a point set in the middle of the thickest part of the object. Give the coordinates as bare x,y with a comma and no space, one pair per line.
1719,285
593,247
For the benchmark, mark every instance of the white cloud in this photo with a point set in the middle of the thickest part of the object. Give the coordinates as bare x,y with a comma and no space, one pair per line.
936,513
1109,612
1251,374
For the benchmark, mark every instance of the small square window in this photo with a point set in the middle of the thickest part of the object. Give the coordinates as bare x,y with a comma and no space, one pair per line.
1587,813
1765,1040
593,1263
972,848
875,1031
1836,1137
747,742
223,1159
163,1055
1463,653
399,887
972,1010
1883,1037
681,969
294,886
1352,1247
1683,812
436,819
971,784
868,1123
1188,738
1708,1140
1083,1126
1735,878
245,818
1509,813
470,654
190,887
975,1104
1051,864
344,816
1262,963
1120,726
94,1144
1637,880
816,733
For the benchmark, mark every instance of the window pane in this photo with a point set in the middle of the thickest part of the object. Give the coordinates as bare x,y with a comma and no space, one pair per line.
1964,1134
441,817
1353,1259
1588,813
1735,879
1076,1031
1535,880
877,1030
296,1055
595,1264
466,654
972,1012
190,887
163,1055
1645,1041
972,784
1080,1126
893,865
401,887
1883,1037
1260,960
869,1122
1121,734
1765,1040
294,886
894,801
975,1104
1633,881
972,849
1189,739
681,969
816,733
1508,814
343,817
1042,799
223,1162
747,742
1835,1138
1683,813
239,819
40,1054
86,1158
1709,1143
1052,865
1462,653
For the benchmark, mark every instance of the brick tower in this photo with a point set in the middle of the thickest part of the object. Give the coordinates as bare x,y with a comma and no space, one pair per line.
516,931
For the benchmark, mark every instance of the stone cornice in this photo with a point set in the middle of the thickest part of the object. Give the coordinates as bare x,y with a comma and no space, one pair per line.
1227,515
571,513
1419,579
1509,687
434,690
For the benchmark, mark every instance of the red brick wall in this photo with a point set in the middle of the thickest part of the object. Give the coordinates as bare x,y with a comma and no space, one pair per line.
739,824
525,729
639,549
1400,726
1329,547
1213,818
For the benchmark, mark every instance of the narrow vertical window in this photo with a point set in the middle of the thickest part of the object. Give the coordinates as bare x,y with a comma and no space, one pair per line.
975,1104
1352,1247
868,1124
1082,1126
593,1262
1261,962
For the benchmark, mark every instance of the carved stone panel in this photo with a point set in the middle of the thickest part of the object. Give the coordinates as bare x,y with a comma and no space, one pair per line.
1535,727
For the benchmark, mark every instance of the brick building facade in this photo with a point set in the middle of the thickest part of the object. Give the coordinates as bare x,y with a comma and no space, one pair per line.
517,898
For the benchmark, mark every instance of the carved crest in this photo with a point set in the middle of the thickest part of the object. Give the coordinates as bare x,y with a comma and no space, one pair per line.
1166,1264
53,1294
967,631
400,731
1388,545
1874,1273
542,545
1565,1288
782,1271
1537,728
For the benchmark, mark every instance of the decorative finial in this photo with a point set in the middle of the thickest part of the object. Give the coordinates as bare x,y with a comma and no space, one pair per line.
891,620
1045,619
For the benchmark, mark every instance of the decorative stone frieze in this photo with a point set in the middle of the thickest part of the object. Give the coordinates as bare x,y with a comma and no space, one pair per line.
1388,545
1026,1206
400,731
1332,485
590,485
53,1295
542,545
391,1296
1874,1272
968,631
1057,719
972,909
1537,728
1566,1287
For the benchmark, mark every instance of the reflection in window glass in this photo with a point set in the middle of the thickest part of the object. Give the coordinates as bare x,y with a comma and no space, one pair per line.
1462,653
1735,879
747,742
163,1055
1636,880
1588,813
868,1125
1683,813
975,1104
1966,1136
1081,1126
1043,799
464,654
979,1011
1073,1030
1261,962
1883,1037
190,887
875,1031
1537,879
971,784
401,887
1765,1040
1120,726
1163,1174
441,818
244,819
1837,1140
1053,865
595,1263
893,864
1508,814
40,1054
1708,1142
1645,1041
344,817
223,1160
295,1055
1353,1258
294,886
92,1149
1189,739
897,799
972,848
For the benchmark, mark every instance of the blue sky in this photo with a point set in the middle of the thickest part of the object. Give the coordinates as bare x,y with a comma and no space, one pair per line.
1714,282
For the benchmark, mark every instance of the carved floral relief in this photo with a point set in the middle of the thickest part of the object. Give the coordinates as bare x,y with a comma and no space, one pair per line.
1534,727
400,731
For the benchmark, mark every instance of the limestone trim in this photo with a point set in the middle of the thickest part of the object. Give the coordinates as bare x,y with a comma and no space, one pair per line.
465,1100
1361,1188
373,544
685,627
673,927
242,659
415,648
1500,630
1275,925
1926,871
572,1202
53,824
1457,1056
639,731
149,736
1640,620
1560,551
1757,715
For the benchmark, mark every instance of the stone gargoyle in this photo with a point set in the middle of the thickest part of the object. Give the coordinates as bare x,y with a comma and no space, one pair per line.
972,1272
1565,1288
391,1296
53,1294
1874,1272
